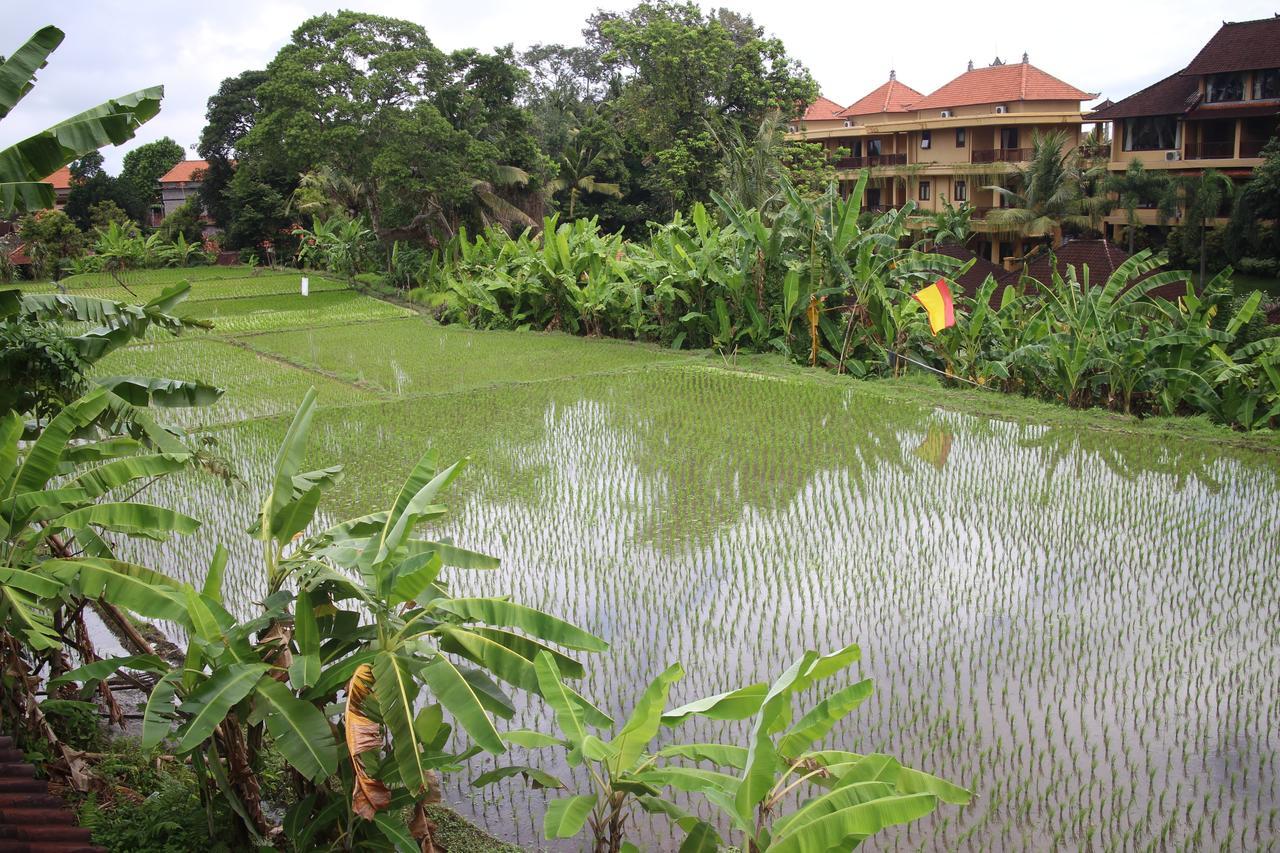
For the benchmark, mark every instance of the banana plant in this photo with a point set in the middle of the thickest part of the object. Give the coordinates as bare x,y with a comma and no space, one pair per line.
66,490
25,164
357,618
620,768
847,796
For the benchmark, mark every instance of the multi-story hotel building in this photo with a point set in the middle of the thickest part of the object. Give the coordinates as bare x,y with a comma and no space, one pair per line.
949,145
1217,113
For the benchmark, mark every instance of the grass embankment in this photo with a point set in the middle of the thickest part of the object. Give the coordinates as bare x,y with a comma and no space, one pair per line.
269,345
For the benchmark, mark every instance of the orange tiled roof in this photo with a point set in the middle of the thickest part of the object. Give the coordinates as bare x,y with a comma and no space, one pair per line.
892,97
997,84
60,179
823,109
184,172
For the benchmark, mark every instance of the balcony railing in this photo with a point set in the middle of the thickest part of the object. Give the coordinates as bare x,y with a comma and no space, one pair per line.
1219,150
1001,155
871,161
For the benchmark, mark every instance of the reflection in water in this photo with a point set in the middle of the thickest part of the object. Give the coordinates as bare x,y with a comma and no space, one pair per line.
936,447
1083,632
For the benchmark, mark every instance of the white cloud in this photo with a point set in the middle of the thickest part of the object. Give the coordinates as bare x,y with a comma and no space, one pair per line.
1110,47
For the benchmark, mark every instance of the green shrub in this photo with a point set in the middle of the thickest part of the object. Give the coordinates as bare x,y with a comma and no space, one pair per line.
1268,267
373,280
153,806
76,723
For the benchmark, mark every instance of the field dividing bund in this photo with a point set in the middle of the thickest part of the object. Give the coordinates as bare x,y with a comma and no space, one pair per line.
1082,626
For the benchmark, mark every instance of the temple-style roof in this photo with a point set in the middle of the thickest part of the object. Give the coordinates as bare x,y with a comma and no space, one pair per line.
1239,46
823,109
893,96
1173,95
996,84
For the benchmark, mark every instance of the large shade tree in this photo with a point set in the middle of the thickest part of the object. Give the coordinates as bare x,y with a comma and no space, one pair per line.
369,97
678,73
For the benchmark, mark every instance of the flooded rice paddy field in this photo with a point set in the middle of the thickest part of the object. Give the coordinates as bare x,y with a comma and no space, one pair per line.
1082,627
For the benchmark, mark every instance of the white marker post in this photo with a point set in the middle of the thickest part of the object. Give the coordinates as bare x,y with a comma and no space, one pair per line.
305,286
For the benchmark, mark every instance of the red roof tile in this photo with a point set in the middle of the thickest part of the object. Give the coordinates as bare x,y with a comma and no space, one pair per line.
822,109
997,84
1173,95
891,97
976,274
184,172
60,179
1100,256
1239,46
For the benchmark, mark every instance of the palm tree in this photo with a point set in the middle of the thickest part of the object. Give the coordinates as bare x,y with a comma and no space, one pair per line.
324,191
1135,187
753,169
1202,198
578,165
1049,192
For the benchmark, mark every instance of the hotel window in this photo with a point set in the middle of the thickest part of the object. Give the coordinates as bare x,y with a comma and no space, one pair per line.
961,191
924,190
1266,84
926,138
960,137
1151,133
1226,87
873,147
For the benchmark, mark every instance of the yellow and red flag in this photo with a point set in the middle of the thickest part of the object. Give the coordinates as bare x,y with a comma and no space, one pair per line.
936,301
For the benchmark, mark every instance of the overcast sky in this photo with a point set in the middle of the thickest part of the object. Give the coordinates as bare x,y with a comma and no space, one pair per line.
118,46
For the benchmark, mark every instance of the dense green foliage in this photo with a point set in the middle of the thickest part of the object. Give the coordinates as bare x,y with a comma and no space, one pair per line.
624,127
817,285
51,240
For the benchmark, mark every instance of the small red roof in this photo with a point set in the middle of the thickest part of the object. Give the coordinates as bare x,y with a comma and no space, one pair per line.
823,109
996,84
977,274
60,179
1239,46
184,172
891,97
1100,256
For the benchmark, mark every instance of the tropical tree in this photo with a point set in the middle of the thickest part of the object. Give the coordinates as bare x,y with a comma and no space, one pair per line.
578,166
951,225
325,192
25,164
140,173
752,165
1136,187
1045,194
1202,198
853,797
51,240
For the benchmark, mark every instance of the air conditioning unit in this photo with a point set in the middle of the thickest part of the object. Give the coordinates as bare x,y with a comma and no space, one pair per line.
1001,109
1173,155
791,128
946,113
848,123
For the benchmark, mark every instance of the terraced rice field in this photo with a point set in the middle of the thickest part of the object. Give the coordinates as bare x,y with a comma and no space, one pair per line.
1083,627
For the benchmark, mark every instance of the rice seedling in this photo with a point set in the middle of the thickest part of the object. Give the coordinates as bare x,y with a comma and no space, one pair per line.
1079,625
